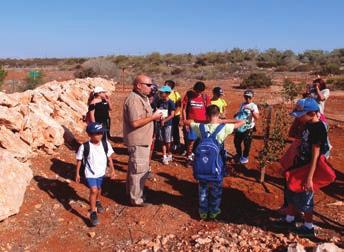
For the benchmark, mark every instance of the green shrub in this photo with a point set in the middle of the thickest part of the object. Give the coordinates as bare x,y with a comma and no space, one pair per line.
256,80
303,68
330,68
290,90
336,83
84,73
3,74
98,67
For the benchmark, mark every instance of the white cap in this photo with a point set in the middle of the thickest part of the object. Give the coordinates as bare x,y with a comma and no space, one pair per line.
98,90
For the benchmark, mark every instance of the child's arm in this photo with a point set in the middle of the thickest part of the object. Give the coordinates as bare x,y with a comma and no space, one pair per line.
77,176
170,117
308,186
237,123
188,122
112,176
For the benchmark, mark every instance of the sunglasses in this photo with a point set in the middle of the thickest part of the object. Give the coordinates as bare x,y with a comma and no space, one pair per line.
147,84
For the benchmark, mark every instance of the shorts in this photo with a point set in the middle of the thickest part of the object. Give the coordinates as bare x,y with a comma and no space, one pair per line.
191,135
95,182
165,134
303,201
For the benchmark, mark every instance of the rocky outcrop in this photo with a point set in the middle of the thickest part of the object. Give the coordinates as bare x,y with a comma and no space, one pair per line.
35,121
14,177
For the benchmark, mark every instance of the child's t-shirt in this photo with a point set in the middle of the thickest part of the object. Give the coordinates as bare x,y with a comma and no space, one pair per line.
176,98
210,128
167,105
221,103
250,123
97,159
196,106
314,133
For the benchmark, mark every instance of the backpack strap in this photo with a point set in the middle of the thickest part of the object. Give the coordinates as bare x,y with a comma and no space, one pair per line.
105,146
85,156
217,130
203,132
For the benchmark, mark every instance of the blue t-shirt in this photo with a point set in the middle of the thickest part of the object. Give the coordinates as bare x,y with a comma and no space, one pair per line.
169,105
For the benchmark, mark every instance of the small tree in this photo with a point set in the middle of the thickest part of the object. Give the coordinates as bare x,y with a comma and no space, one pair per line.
275,125
256,80
290,90
3,74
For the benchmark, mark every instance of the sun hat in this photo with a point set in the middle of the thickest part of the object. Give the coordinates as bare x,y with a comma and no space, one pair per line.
98,90
303,106
249,93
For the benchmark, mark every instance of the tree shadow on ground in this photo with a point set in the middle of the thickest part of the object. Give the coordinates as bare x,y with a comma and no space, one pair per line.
62,192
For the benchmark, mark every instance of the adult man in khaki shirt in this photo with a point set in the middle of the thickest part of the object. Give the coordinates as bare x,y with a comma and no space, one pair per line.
138,133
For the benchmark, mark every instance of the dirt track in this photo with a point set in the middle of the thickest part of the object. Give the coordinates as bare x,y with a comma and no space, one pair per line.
54,215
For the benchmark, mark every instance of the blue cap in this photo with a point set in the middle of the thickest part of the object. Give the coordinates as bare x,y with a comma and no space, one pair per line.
303,106
165,89
94,128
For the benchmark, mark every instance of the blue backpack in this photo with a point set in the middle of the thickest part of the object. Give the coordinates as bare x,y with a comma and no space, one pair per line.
209,156
244,115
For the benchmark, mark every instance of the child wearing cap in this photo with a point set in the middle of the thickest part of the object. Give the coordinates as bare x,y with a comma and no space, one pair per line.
313,144
95,155
219,101
99,107
167,107
244,134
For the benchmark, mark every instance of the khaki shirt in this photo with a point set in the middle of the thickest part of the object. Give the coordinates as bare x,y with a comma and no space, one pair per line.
137,106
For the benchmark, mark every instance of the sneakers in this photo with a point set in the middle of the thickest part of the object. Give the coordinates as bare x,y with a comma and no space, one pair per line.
282,224
94,219
170,158
203,216
303,231
213,216
243,160
191,157
165,160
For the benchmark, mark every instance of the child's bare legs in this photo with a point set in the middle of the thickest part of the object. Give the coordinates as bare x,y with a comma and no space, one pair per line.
190,147
99,194
164,149
168,149
93,198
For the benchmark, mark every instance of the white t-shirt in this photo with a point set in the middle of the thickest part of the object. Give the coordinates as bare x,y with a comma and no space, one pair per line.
326,93
96,159
252,107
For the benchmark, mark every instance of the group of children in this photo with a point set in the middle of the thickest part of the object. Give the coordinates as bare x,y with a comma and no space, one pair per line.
204,123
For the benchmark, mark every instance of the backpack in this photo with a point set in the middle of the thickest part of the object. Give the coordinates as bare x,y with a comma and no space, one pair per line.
87,153
209,156
243,114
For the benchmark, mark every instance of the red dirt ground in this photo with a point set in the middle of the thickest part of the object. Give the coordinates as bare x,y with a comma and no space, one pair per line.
54,215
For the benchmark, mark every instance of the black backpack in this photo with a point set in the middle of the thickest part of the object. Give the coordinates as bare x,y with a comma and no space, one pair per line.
86,154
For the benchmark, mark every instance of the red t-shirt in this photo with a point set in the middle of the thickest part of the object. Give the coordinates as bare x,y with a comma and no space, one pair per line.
196,107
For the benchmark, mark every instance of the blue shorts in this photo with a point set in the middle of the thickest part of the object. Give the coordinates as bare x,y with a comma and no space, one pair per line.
191,135
95,182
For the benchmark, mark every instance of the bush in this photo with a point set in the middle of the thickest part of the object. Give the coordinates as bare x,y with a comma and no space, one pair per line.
3,74
303,68
330,68
256,80
84,73
290,90
336,83
98,67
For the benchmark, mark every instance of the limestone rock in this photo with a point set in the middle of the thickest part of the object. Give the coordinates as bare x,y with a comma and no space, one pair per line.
14,178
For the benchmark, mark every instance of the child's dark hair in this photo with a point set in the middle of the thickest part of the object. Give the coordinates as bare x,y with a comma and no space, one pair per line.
321,82
213,110
199,86
170,83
